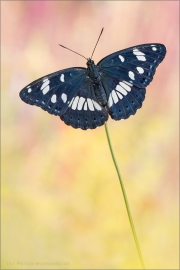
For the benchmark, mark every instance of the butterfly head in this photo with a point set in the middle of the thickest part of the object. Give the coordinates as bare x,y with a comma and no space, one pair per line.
90,62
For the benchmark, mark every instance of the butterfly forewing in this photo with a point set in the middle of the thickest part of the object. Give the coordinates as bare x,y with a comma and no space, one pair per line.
55,91
136,65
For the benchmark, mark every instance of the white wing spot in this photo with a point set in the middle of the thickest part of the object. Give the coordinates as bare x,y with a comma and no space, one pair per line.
110,101
119,95
75,102
71,102
141,58
120,89
121,58
85,106
90,104
125,86
140,70
131,75
29,89
62,78
80,104
45,83
154,48
45,86
130,84
45,90
54,98
97,106
137,52
64,97
114,96
140,55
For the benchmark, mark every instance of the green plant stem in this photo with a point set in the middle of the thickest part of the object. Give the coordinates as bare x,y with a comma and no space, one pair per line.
125,199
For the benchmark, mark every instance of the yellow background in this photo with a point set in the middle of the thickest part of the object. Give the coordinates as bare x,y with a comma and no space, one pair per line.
62,206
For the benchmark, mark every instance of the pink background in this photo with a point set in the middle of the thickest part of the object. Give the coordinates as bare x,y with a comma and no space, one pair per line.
62,206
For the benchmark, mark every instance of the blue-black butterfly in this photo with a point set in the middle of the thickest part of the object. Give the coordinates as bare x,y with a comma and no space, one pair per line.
83,97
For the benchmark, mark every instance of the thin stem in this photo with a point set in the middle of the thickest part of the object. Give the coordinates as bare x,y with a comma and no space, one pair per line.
125,199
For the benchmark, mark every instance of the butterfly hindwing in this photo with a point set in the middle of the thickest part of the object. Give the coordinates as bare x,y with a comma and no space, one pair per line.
136,65
54,92
124,98
84,111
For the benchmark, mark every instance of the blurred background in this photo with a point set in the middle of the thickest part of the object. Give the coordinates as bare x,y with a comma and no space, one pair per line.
62,205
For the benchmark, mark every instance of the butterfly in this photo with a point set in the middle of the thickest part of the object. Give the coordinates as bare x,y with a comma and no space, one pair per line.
85,97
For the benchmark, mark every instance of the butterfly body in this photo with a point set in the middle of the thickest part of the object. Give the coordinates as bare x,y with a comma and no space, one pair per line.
95,76
84,97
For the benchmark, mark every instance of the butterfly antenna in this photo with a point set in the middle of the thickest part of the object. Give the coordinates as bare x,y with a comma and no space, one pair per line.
72,51
97,42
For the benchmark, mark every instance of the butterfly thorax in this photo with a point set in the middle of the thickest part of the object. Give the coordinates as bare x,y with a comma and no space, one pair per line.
93,73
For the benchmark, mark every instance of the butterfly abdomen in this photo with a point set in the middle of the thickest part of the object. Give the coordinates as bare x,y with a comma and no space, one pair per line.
94,75
100,93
